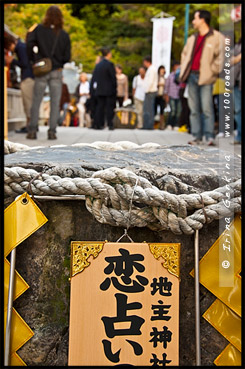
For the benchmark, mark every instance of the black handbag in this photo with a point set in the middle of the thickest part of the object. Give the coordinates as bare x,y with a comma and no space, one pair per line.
44,65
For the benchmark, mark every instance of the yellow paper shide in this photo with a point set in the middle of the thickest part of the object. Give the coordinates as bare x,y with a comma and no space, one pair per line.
21,219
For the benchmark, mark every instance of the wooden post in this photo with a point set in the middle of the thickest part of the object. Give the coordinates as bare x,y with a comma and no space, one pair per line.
10,308
5,105
197,300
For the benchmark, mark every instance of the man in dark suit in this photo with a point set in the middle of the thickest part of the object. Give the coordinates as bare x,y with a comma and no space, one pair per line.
104,84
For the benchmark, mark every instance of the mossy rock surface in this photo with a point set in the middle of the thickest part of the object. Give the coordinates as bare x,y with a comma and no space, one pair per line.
166,167
44,262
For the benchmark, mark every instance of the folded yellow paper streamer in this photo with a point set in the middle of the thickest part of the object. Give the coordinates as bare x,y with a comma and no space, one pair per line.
21,219
225,313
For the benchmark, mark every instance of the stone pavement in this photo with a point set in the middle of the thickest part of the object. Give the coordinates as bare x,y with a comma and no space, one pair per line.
73,135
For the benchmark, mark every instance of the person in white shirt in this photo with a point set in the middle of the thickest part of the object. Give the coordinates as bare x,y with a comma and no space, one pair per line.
139,95
159,101
150,87
83,96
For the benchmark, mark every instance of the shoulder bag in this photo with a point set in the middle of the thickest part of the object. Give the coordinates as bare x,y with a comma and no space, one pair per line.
44,65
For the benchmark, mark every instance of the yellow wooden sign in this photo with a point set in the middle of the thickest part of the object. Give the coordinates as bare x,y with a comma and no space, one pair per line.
124,305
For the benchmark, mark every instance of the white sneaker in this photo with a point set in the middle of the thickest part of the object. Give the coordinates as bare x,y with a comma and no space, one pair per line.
176,128
195,142
220,135
169,127
210,142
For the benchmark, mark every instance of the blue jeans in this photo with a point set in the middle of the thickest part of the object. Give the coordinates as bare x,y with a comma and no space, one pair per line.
62,116
54,80
174,114
149,110
200,100
238,111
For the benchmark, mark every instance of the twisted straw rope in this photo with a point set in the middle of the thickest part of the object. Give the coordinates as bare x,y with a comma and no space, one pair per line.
108,193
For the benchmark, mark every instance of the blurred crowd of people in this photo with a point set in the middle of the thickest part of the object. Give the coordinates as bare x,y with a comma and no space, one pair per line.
188,100
45,42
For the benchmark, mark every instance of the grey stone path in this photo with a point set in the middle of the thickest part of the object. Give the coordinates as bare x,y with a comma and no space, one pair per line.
73,135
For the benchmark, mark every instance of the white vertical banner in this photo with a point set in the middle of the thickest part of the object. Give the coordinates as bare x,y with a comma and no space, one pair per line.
162,42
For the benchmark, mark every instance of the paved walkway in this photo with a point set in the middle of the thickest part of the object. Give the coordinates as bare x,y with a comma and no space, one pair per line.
73,135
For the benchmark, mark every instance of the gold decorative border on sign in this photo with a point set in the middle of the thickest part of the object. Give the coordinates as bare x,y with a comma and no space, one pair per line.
80,252
170,252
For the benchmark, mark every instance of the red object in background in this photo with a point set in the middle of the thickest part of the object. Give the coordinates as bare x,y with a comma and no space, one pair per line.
8,5
75,121
7,52
236,14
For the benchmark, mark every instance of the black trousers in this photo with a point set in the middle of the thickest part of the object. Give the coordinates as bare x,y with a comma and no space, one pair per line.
184,117
105,106
93,104
159,100
120,100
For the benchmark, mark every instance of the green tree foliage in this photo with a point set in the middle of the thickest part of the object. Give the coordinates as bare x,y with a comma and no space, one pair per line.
21,17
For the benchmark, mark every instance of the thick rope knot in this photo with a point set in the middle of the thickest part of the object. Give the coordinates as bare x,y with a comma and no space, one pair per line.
11,147
116,195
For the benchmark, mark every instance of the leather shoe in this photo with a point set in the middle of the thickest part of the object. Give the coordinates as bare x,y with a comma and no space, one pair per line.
21,130
51,135
111,128
31,135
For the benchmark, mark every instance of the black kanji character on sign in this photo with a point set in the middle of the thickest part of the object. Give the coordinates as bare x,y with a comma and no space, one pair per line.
161,286
108,352
115,357
157,362
122,307
138,350
163,336
124,267
160,311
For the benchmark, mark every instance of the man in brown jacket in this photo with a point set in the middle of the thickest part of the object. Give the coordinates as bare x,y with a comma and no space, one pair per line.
202,60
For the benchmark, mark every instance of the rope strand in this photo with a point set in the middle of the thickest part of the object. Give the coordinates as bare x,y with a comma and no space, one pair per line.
111,193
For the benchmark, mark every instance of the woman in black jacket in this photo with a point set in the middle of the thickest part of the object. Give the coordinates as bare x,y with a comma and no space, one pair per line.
48,40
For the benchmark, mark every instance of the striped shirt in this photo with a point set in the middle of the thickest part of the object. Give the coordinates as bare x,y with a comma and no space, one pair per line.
171,88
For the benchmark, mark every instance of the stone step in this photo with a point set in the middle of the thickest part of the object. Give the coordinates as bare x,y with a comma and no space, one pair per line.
16,123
